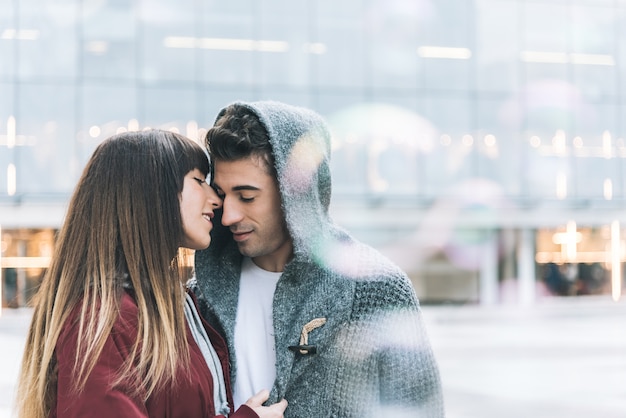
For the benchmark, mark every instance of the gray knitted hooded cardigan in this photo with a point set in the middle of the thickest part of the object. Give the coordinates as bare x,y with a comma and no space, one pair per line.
371,356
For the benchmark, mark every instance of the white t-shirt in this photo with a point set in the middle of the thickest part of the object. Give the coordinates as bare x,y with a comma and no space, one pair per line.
254,332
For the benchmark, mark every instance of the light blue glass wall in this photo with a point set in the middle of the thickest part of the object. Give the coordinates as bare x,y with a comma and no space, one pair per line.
526,94
462,126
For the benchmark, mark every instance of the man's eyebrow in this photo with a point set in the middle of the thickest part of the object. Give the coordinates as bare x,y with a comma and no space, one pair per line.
245,187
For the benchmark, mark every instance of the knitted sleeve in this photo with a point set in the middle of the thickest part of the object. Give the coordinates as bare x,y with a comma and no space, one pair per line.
389,364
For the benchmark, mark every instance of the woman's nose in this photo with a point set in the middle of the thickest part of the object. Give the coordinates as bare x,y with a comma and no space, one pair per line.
215,200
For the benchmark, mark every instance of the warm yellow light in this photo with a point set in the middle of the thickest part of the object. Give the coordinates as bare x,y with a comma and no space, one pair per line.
94,131
25,262
578,142
22,34
191,130
535,141
592,59
271,46
548,57
607,146
568,241
133,125
11,180
544,57
608,189
490,140
11,132
8,34
315,48
97,47
180,42
444,52
559,142
557,257
225,44
561,185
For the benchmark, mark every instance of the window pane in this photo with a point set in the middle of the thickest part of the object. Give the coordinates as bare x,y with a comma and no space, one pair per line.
228,53
593,57
391,28
349,159
545,37
7,123
108,53
168,40
497,40
445,46
8,40
48,40
169,108
340,28
286,59
107,109
452,158
47,163
499,146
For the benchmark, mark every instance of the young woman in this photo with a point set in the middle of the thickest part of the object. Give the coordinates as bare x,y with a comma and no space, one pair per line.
114,332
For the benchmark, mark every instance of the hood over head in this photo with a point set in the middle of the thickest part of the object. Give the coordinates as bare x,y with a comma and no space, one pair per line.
300,141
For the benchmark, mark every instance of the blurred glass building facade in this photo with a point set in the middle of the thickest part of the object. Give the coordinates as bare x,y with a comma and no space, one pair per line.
478,143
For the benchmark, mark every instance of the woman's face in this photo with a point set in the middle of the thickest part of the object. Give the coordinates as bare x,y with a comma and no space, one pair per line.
198,200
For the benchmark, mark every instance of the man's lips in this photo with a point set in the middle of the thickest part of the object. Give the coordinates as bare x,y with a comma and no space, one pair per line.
241,236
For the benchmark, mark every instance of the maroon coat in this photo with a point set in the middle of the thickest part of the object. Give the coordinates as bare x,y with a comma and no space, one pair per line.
192,398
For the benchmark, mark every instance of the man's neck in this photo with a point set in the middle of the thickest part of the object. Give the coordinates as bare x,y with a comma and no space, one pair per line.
275,262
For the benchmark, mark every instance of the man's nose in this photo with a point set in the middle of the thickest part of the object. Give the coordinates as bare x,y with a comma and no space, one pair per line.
230,212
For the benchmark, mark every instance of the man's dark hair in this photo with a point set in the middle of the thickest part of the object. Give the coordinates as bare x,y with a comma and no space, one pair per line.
238,134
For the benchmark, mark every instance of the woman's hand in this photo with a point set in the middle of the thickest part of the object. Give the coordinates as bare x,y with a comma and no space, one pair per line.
272,411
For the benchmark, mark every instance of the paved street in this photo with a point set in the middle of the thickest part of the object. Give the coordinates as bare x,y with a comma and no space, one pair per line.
13,326
561,358
558,359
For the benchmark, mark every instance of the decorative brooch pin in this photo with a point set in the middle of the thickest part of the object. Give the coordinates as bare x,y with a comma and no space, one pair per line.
304,347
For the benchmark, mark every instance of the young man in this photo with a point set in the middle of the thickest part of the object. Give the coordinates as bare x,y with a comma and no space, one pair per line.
308,312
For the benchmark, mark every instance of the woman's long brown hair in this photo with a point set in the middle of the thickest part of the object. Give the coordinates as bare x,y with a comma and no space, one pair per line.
122,225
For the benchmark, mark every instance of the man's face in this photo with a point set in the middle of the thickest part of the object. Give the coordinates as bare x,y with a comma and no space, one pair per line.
252,210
